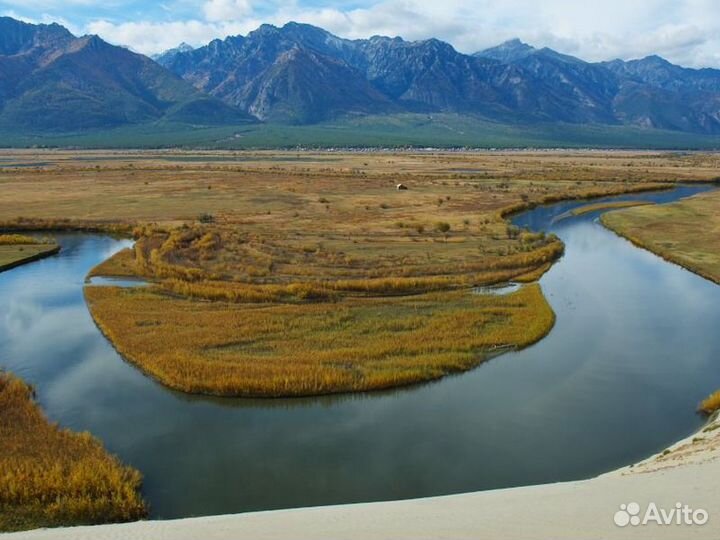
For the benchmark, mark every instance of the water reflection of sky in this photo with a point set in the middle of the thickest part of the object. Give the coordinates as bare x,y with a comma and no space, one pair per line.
633,350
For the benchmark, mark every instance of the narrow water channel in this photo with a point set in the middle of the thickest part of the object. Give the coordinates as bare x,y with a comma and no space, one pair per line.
634,349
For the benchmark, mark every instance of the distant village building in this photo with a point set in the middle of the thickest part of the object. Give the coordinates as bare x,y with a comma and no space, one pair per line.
401,187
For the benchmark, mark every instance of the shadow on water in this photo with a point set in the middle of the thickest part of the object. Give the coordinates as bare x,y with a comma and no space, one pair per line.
634,349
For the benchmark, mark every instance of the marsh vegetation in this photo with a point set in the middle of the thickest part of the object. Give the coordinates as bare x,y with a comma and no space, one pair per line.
352,442
51,476
17,249
318,275
711,404
686,232
611,205
289,349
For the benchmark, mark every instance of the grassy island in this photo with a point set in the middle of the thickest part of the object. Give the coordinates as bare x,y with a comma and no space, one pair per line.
293,349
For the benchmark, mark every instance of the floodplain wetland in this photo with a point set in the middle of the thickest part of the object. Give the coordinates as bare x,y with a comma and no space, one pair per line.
248,264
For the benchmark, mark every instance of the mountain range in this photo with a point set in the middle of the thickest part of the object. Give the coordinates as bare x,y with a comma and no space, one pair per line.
514,82
52,80
301,74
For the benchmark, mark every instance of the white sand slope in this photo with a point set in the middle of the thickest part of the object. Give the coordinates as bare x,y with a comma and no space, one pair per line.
688,472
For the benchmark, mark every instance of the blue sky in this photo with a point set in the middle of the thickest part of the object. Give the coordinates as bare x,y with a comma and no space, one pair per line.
684,31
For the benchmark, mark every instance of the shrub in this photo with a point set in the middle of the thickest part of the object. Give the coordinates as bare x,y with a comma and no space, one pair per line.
711,403
17,240
513,231
51,476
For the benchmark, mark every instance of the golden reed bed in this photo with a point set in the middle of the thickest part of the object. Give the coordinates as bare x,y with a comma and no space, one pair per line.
50,476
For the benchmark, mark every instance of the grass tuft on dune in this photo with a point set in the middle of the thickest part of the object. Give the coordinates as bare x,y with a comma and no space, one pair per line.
711,404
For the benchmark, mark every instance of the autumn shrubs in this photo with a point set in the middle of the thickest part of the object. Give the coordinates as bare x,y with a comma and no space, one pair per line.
711,404
17,249
19,239
50,476
224,263
234,314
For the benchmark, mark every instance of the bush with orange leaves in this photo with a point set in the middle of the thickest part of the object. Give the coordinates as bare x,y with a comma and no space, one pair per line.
51,476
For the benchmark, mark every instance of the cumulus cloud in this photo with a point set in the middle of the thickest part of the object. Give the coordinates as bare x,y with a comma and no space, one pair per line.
42,18
684,31
226,10
153,37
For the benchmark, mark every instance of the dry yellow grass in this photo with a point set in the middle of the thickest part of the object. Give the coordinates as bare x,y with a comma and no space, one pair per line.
51,476
299,235
711,403
219,262
131,187
17,249
18,239
354,344
614,205
287,275
686,232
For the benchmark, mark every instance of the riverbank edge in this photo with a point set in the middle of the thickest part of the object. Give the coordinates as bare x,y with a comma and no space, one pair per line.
667,257
684,472
32,258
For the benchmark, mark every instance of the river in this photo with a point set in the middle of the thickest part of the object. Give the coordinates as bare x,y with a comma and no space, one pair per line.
634,349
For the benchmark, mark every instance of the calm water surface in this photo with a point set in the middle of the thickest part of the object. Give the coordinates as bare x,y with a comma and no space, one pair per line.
635,348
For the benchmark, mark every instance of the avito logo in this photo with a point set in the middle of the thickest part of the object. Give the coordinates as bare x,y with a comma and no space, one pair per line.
681,514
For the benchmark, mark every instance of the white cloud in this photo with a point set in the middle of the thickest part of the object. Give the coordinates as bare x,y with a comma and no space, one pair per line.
43,18
150,37
226,10
684,31
46,4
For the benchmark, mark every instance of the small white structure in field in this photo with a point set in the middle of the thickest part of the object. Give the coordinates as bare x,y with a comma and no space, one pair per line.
401,187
